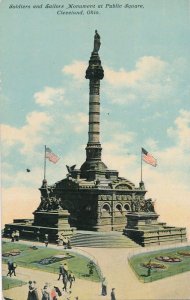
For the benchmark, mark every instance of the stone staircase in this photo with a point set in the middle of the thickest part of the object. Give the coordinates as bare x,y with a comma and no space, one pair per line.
93,239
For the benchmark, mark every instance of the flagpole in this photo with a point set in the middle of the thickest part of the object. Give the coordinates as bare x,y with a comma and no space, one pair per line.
45,163
141,164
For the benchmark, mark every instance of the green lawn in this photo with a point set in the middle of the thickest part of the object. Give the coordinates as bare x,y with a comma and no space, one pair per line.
8,283
171,268
30,258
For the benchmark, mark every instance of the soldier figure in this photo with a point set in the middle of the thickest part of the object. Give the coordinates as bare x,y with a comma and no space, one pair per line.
96,42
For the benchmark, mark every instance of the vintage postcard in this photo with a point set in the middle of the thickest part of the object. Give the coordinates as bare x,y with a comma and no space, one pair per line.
95,139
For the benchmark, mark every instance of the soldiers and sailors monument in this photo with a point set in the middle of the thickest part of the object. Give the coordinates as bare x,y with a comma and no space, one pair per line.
93,205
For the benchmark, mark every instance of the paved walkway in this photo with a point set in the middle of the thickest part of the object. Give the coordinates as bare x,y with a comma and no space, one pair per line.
114,265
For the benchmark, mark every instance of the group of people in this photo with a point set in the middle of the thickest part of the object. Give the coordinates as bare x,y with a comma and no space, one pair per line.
104,289
53,292
11,268
48,292
67,276
61,241
15,236
64,241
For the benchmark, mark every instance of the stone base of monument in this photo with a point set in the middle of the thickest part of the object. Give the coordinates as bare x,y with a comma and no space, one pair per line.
144,229
106,223
54,223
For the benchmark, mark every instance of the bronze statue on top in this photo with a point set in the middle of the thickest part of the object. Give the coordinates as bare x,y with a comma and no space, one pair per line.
96,42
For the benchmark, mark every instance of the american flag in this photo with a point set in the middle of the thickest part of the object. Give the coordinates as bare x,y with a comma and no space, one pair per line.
51,156
148,158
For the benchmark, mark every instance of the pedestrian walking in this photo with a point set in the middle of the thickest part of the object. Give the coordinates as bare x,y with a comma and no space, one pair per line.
17,235
53,294
58,291
32,291
46,240
46,293
10,268
149,266
149,270
104,287
71,279
65,267
13,236
61,271
113,294
14,266
69,244
65,281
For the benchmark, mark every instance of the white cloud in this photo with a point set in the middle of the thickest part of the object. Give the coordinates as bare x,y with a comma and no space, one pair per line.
78,121
146,68
151,144
115,154
49,96
152,79
77,69
27,136
181,133
118,143
119,96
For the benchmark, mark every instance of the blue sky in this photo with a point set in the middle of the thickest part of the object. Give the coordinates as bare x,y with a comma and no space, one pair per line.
144,98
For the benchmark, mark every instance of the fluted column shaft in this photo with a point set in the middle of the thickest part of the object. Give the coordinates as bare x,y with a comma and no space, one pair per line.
94,112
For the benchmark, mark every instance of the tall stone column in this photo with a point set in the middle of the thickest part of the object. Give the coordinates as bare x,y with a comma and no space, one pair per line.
94,73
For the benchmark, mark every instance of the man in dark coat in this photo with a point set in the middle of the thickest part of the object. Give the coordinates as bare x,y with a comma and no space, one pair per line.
61,271
10,268
14,266
71,278
65,281
113,294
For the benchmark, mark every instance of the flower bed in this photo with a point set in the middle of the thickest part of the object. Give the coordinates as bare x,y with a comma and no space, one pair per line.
33,248
13,252
154,265
53,259
171,259
184,253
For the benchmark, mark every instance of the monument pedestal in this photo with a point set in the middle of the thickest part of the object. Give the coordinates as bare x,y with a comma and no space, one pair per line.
144,229
53,223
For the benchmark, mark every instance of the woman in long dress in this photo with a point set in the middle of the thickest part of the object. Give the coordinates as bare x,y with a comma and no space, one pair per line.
46,293
32,291
104,287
